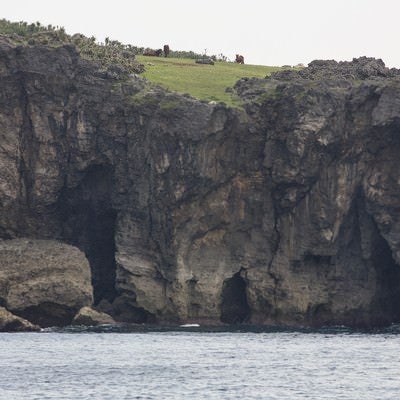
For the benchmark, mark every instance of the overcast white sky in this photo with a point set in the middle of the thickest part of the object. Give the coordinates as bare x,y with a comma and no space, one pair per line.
266,32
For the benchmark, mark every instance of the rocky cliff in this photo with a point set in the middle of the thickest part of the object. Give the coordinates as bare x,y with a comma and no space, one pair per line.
283,212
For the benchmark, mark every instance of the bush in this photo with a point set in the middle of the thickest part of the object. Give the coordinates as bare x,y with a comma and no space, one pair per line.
111,53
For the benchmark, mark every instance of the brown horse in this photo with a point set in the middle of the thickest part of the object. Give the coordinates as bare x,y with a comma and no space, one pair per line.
239,59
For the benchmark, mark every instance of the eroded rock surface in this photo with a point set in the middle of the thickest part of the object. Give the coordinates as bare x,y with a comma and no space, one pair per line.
89,317
43,281
286,212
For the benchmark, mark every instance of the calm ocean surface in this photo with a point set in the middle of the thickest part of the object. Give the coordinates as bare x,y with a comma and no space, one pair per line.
200,365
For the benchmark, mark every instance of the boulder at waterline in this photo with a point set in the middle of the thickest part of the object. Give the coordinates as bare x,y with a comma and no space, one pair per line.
44,281
89,317
11,323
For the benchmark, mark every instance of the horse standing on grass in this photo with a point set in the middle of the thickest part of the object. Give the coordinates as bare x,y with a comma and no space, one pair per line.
239,59
166,50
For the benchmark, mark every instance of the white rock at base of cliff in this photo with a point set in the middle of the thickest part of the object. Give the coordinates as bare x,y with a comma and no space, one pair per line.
89,317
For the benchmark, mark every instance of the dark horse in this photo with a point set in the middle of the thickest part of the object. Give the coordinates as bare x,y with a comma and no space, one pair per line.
166,50
239,59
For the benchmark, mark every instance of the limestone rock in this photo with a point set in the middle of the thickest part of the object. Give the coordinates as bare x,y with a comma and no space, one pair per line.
208,61
89,317
44,281
11,323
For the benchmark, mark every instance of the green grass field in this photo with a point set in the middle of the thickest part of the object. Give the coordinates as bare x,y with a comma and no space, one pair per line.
205,82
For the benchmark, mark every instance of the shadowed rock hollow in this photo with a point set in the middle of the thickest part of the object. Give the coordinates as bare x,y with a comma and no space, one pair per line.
284,212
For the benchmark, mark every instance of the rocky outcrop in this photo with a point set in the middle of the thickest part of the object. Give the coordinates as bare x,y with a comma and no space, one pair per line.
87,316
11,323
331,160
43,281
285,212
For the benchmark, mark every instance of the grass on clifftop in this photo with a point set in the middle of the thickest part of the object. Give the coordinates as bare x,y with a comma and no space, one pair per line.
178,74
205,82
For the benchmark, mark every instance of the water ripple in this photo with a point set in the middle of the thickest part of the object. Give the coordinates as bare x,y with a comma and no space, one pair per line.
200,365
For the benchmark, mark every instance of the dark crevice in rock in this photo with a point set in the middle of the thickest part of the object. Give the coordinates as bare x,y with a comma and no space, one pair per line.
28,148
319,314
14,326
316,259
234,306
363,265
4,235
385,307
275,249
124,310
388,283
275,279
88,222
375,254
47,314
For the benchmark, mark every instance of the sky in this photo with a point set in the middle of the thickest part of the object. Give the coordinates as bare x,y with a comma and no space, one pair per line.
279,32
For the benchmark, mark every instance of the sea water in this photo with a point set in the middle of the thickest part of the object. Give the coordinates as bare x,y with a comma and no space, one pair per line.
199,365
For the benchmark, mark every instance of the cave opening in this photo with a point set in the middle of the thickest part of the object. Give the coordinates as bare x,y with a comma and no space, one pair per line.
234,306
369,251
388,283
88,222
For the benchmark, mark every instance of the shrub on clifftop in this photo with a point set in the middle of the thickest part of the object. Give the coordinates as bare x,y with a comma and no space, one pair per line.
109,54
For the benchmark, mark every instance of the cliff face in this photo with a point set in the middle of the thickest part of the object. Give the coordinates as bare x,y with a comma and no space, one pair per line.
285,212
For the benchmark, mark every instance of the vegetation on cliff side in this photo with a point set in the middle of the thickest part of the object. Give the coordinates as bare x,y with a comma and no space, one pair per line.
109,54
178,72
